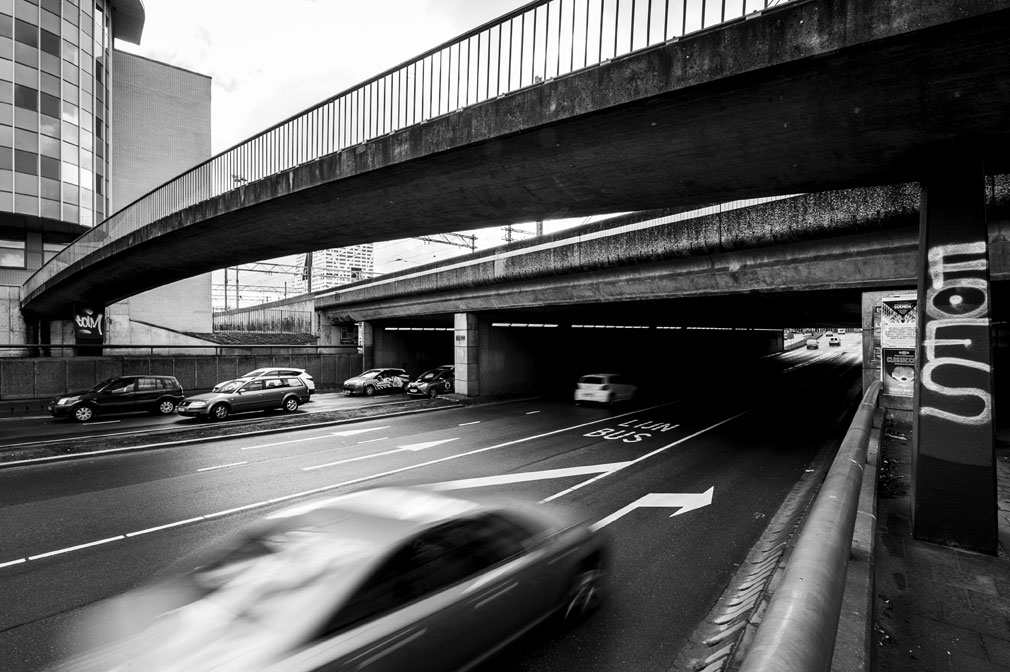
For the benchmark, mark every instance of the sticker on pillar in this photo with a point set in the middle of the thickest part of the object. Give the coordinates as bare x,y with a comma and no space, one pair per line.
349,334
898,322
898,371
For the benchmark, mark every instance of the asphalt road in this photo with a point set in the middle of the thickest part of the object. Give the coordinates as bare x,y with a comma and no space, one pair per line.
78,531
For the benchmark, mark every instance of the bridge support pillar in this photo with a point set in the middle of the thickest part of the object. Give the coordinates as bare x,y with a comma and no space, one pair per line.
367,345
953,458
467,340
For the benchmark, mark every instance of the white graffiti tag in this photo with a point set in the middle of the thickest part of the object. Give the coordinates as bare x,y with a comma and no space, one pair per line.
946,304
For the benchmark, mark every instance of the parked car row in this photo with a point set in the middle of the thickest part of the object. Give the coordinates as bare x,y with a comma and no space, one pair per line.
267,388
260,389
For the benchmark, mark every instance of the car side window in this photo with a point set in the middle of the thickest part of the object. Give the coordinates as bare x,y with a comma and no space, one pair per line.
274,382
147,384
253,386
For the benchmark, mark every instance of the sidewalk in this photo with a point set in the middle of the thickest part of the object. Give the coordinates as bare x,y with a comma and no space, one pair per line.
937,608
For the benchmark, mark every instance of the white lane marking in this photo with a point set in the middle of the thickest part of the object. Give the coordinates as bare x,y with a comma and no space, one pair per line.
525,476
384,438
222,466
350,432
399,449
645,457
334,486
76,548
103,422
686,501
162,527
464,424
532,412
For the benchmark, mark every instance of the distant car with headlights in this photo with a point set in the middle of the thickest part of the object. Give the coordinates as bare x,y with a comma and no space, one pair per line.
241,395
431,383
604,388
278,371
834,340
376,381
388,579
813,344
122,394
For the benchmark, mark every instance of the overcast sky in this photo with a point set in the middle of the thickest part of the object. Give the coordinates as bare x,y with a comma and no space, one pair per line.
270,60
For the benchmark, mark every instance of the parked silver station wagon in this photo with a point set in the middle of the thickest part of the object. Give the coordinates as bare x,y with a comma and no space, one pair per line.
238,396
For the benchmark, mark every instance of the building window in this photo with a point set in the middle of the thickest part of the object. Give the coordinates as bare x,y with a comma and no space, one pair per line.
26,33
12,253
26,97
26,162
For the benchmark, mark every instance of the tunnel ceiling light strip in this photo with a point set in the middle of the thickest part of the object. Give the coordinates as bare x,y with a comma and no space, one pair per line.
418,329
524,324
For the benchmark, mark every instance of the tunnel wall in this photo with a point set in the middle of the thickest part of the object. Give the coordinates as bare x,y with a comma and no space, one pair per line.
413,351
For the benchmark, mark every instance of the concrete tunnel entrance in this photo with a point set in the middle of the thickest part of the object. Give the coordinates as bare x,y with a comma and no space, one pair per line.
495,354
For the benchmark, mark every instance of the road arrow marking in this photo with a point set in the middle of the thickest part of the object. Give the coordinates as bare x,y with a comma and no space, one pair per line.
399,449
503,479
352,432
427,444
685,501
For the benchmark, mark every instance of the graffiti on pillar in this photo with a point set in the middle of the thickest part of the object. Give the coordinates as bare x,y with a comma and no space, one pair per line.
957,333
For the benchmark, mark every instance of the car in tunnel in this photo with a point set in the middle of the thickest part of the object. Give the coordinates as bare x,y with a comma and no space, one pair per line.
387,579
813,344
431,383
604,388
834,340
375,381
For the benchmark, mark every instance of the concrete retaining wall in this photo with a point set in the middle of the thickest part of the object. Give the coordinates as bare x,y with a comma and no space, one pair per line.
46,377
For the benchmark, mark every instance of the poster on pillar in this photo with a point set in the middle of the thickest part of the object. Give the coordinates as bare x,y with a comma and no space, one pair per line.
897,344
89,325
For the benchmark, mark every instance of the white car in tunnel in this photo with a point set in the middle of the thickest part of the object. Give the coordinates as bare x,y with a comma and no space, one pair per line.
604,388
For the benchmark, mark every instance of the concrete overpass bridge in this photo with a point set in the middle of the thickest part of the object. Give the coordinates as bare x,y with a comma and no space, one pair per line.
551,112
581,115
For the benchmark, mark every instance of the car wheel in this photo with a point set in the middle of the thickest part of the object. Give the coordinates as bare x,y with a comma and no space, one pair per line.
290,405
166,407
83,413
369,391
585,593
610,399
219,412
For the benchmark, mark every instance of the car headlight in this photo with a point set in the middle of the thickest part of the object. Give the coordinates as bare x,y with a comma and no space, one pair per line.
196,404
64,401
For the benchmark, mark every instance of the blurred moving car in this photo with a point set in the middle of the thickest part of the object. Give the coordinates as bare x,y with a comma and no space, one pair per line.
373,381
387,579
812,344
122,394
841,330
277,371
431,383
241,395
834,340
604,388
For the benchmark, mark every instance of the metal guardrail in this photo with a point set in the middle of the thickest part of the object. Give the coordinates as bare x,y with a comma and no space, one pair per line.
797,633
541,40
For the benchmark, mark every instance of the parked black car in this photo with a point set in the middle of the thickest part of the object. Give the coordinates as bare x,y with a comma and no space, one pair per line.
156,394
440,380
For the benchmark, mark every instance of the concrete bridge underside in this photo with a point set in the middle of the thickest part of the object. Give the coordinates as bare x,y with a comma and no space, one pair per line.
812,96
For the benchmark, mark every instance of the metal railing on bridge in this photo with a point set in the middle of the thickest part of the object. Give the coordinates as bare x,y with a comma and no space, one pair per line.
539,41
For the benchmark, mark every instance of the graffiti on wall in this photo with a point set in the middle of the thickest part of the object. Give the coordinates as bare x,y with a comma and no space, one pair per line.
956,336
